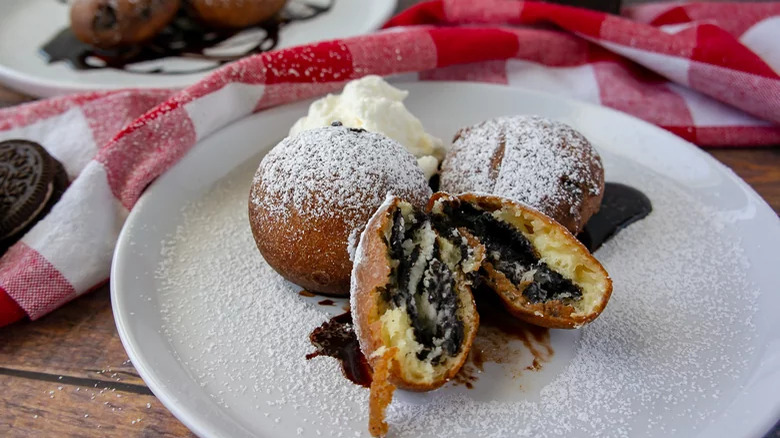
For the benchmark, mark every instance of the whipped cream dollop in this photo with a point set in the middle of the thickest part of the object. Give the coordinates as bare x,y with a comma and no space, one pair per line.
372,104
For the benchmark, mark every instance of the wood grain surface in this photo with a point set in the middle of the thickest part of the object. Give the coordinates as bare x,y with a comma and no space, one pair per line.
67,374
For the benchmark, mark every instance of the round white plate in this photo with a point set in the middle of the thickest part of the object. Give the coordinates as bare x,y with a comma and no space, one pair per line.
689,344
26,25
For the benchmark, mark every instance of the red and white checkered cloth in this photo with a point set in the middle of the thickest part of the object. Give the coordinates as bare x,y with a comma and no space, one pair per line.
706,71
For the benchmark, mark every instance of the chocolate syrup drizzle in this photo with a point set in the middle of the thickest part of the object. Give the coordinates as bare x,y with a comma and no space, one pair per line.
621,206
336,338
496,329
184,38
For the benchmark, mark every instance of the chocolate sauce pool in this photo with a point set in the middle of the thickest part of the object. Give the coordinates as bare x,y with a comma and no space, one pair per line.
184,37
336,338
621,206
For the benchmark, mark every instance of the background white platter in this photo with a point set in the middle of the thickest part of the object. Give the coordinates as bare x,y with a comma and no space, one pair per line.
25,25
688,346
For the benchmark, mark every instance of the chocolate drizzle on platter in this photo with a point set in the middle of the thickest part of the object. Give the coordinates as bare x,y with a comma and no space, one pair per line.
336,338
184,38
621,206
492,345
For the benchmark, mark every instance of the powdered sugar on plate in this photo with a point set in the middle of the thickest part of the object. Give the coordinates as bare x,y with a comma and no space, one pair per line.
671,347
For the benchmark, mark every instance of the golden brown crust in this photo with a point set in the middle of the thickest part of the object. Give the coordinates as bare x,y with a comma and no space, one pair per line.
588,206
381,395
307,209
318,262
114,23
234,13
570,201
370,274
551,314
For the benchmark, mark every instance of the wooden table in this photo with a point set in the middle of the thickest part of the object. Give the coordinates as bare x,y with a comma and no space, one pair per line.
67,374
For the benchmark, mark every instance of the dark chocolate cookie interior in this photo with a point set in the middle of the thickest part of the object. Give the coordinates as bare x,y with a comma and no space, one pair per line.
425,286
510,253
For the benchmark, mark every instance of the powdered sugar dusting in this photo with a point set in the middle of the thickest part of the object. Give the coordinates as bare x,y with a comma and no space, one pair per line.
335,171
352,242
671,348
252,325
540,162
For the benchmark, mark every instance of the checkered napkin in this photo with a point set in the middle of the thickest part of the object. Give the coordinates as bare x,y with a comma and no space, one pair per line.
705,71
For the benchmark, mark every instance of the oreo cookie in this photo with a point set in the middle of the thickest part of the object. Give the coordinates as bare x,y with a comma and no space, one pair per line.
608,6
31,182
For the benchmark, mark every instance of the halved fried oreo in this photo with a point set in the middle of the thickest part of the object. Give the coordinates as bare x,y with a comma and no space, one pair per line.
411,302
541,272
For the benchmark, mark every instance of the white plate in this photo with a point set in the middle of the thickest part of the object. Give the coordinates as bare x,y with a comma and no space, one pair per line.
689,345
26,25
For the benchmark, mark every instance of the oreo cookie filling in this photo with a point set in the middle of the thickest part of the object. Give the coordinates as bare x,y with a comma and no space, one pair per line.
423,284
540,271
510,253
